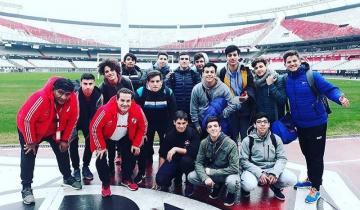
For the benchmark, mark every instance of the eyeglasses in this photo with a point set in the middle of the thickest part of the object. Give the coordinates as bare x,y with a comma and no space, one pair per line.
184,58
262,121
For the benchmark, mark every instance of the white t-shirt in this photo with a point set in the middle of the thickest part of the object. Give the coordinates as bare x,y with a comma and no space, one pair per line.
121,127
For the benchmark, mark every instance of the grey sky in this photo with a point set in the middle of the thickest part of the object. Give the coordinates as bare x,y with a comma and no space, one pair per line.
146,11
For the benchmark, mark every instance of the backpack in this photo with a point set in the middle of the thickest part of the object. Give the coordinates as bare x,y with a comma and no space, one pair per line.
251,144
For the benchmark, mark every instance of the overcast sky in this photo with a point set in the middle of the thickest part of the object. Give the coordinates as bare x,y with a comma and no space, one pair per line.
147,11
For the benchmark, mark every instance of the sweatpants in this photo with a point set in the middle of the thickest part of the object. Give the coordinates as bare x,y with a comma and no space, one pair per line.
249,181
27,163
232,182
312,143
174,169
74,150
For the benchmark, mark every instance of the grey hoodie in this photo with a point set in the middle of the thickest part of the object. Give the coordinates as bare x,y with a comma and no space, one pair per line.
199,102
264,157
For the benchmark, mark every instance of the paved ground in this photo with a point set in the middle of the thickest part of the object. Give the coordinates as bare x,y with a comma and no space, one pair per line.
341,185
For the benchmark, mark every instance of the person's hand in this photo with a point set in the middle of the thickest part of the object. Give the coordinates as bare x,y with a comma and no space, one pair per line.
198,128
168,75
209,182
270,79
100,153
272,179
170,154
207,171
243,97
63,146
135,150
30,148
344,101
263,179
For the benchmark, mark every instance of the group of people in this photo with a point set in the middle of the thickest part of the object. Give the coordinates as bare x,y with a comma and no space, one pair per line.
199,115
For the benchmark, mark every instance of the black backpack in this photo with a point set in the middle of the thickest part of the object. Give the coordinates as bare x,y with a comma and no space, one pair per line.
251,144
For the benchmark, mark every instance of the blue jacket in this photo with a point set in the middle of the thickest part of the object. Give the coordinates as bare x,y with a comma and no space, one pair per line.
306,111
215,109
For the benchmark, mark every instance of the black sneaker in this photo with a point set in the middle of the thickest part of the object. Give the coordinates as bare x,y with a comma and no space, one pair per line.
71,182
230,199
27,196
139,178
244,193
277,192
77,175
215,192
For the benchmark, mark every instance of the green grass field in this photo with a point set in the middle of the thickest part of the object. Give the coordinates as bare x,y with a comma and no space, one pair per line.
16,87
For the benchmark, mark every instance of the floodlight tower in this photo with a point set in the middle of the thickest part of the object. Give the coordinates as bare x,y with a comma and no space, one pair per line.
124,28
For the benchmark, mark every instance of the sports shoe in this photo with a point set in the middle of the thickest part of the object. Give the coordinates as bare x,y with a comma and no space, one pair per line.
105,191
117,160
27,196
313,196
277,192
189,190
71,182
303,184
86,173
76,175
130,185
230,199
139,178
215,192
244,193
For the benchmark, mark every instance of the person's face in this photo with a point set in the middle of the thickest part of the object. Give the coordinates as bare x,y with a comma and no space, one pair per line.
199,63
124,102
155,83
129,62
213,128
232,58
180,125
110,74
87,86
292,63
184,61
60,96
260,69
162,61
262,126
209,74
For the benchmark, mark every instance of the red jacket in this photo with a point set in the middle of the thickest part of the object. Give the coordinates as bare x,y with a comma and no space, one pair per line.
37,116
103,124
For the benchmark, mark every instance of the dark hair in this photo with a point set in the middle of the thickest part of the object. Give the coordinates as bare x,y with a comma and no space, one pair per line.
197,56
64,84
231,48
124,91
290,53
88,76
258,60
162,53
184,53
212,119
153,73
260,115
113,64
210,64
132,56
180,114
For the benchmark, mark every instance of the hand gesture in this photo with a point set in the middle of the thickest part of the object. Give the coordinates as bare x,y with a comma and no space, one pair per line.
344,101
135,150
263,180
100,153
63,146
272,179
270,79
170,154
209,182
30,148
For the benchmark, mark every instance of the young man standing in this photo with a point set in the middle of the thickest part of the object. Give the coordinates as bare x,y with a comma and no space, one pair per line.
132,71
217,163
50,114
182,82
310,117
239,80
263,160
162,64
120,120
178,153
90,99
199,62
159,106
203,93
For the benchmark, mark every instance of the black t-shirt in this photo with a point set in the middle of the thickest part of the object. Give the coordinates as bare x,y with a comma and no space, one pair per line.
188,140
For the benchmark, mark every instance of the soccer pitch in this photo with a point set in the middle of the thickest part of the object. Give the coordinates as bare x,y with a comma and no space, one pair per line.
16,87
